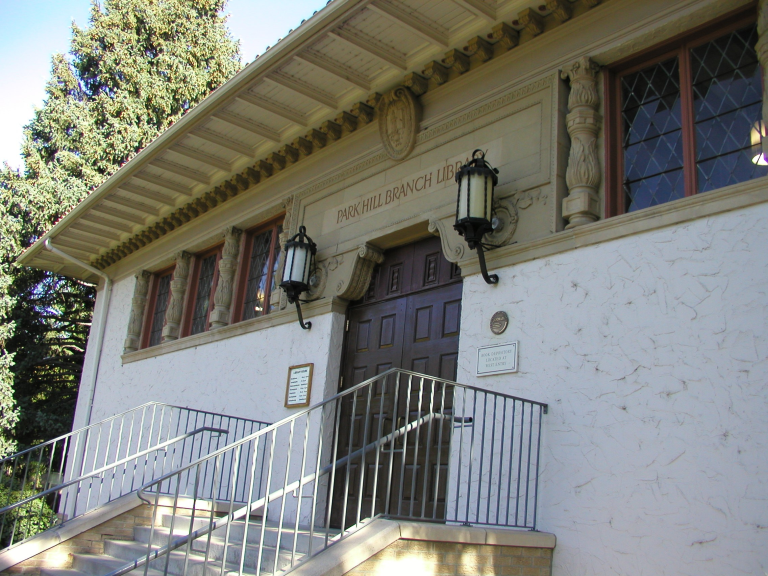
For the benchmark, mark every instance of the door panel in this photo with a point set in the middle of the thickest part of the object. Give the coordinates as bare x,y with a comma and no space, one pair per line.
408,319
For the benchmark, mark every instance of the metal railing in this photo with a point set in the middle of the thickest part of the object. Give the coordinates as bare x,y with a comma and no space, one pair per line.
54,482
401,445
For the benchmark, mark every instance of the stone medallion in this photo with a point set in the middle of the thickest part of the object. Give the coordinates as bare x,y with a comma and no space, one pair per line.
499,322
399,118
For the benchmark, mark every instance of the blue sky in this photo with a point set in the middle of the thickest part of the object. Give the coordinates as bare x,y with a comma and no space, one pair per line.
31,31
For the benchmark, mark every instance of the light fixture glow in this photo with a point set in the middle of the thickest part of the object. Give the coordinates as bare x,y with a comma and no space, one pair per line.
757,137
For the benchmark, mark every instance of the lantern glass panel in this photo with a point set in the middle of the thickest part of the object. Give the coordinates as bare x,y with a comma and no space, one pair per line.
296,264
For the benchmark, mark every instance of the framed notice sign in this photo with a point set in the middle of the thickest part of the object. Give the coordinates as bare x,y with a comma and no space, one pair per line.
497,359
299,386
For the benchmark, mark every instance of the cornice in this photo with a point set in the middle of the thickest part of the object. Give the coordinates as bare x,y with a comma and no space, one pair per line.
457,61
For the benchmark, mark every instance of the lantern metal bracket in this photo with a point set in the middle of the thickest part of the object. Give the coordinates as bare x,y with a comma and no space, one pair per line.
489,278
304,325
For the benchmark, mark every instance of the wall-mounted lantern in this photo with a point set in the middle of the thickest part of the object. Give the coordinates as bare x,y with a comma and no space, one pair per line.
476,180
299,264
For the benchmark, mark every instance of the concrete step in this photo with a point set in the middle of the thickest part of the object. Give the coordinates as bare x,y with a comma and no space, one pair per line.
237,530
196,565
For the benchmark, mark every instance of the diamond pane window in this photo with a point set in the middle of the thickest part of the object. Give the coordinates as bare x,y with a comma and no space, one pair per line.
204,289
727,101
261,258
162,290
652,130
685,118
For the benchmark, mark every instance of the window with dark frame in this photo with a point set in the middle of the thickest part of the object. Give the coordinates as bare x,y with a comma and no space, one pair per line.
685,117
258,272
158,303
203,283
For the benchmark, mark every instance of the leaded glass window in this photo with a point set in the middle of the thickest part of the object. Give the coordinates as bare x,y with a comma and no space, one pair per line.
727,101
685,120
204,289
261,280
163,287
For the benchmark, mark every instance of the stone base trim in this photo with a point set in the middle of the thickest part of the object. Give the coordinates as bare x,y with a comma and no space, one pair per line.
392,547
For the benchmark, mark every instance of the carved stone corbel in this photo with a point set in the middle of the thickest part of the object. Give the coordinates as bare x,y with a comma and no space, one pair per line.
228,262
138,305
560,8
365,260
582,206
532,20
176,300
453,245
437,72
762,55
505,35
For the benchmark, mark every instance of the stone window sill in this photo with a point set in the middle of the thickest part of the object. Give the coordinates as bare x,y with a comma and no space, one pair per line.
672,213
286,316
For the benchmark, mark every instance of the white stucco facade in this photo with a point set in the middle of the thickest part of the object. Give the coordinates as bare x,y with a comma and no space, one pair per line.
645,333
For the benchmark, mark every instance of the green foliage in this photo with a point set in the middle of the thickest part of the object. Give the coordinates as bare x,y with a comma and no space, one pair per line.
27,519
138,67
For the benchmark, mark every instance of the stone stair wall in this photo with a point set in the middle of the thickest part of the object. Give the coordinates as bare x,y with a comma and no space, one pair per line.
91,541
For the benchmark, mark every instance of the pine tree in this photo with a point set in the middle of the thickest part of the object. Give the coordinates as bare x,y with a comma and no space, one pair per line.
137,68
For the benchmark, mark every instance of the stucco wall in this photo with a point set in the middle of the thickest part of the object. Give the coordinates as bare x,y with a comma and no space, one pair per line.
651,352
242,376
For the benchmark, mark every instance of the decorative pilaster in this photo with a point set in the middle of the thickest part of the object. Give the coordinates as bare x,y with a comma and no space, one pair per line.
762,55
176,300
278,299
222,299
582,206
138,304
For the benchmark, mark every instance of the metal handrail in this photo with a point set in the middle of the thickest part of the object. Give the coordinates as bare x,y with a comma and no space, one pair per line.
130,436
517,425
111,467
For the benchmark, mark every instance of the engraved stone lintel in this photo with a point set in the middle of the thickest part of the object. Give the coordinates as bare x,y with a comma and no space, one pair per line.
457,60
453,245
365,260
437,71
222,299
505,35
138,305
560,8
583,174
176,301
532,20
480,47
399,118
416,82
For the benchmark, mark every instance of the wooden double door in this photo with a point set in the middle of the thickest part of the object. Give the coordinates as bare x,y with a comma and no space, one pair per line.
409,319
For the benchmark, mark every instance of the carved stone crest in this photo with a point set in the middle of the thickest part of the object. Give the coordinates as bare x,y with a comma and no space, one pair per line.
399,118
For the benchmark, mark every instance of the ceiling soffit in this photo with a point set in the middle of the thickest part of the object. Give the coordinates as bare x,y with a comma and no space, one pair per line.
324,87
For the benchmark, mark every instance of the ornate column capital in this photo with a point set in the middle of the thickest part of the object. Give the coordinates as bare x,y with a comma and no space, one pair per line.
176,301
138,305
230,258
583,122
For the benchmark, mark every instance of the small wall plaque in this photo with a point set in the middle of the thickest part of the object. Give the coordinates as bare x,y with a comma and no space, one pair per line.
497,359
499,322
299,386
